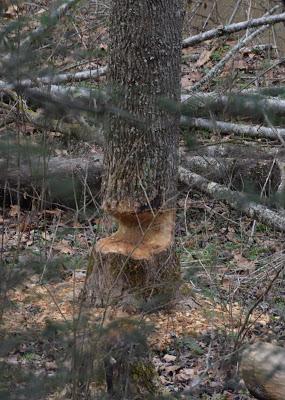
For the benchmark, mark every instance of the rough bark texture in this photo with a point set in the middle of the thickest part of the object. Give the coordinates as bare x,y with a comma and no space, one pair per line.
263,370
141,145
141,152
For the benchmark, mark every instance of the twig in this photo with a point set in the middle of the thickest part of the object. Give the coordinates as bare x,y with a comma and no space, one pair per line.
255,305
220,65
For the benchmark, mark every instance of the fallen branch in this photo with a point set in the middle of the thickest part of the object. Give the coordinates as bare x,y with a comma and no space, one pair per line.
62,179
236,129
230,54
252,105
237,200
233,28
237,173
63,78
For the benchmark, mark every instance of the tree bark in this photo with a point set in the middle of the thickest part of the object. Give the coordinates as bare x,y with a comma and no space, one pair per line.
138,262
263,371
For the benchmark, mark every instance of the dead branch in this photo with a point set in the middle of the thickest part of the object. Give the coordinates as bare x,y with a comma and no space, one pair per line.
228,128
237,200
233,28
61,78
233,104
230,54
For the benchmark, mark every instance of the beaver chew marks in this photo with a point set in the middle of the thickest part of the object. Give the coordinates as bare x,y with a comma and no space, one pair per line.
140,236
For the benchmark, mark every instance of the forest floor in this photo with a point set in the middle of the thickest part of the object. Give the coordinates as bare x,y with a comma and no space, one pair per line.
226,267
228,260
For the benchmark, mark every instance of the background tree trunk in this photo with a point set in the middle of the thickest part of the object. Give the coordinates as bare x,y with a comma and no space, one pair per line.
141,152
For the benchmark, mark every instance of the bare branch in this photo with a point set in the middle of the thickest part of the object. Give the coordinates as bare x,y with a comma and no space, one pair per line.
236,129
233,28
237,200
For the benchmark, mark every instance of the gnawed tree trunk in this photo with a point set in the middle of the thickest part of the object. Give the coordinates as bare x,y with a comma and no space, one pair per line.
138,262
263,371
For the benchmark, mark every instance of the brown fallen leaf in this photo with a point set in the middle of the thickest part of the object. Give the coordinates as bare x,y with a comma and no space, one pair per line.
11,11
205,57
64,247
185,374
14,210
169,358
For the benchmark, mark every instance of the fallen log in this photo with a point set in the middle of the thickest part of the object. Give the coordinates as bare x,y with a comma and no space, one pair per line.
240,150
56,173
237,173
252,105
236,200
58,180
72,181
263,371
259,132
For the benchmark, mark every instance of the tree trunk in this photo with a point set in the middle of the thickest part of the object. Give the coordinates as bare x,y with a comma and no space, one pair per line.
263,370
138,262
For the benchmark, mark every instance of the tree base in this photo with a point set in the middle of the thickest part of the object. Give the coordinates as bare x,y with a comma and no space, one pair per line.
136,266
